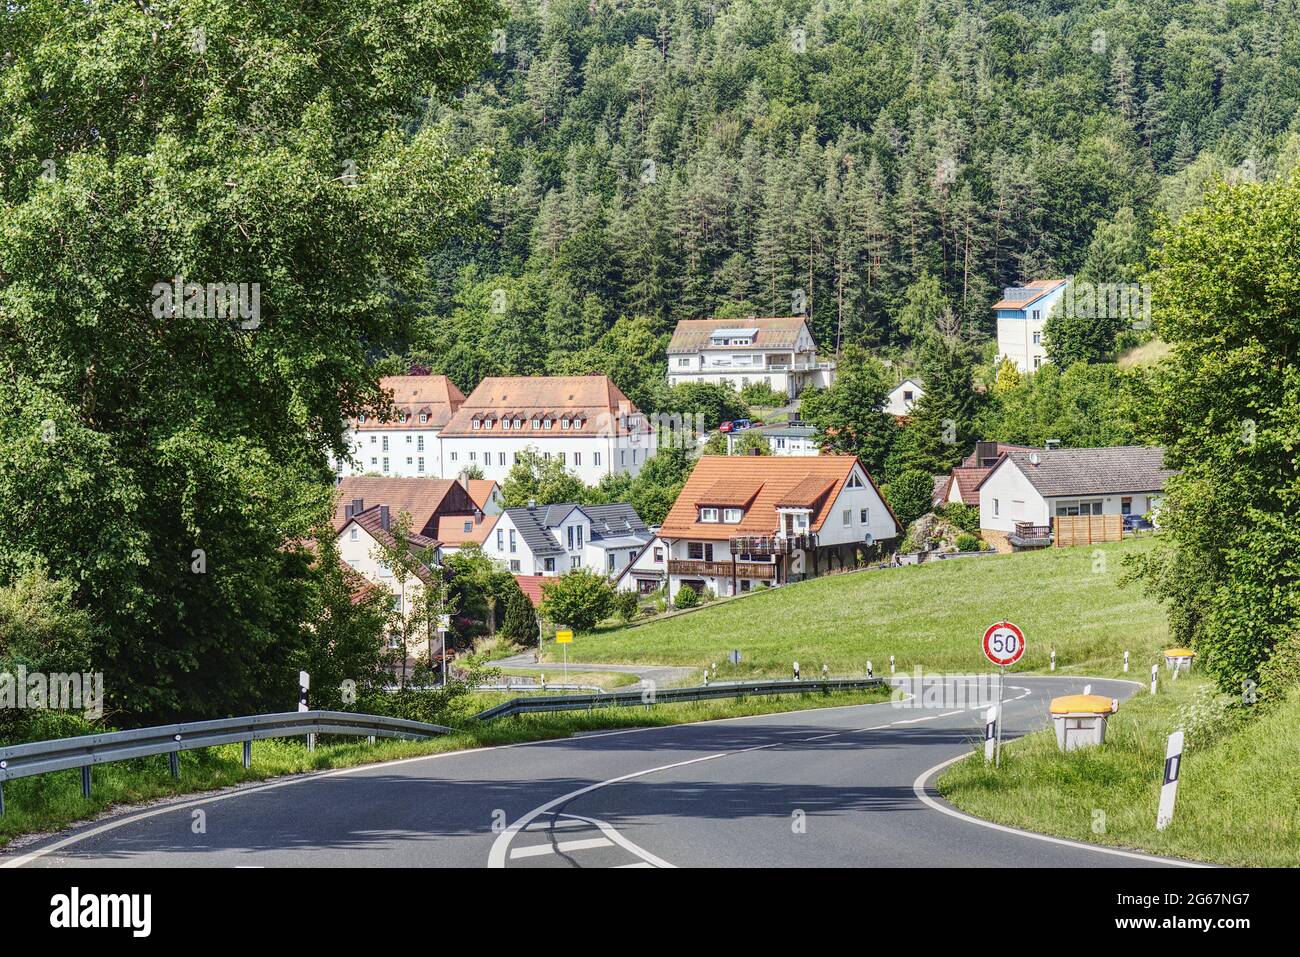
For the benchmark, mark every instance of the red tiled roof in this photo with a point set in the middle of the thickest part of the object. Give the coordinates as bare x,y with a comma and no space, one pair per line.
591,404
781,478
480,490
968,482
422,498
531,585
451,529
434,395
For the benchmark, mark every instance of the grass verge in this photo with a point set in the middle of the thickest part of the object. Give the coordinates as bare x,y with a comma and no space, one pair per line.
930,615
1236,794
51,801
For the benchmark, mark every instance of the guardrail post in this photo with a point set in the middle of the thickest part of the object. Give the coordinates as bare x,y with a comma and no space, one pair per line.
85,781
370,739
2,799
174,763
248,754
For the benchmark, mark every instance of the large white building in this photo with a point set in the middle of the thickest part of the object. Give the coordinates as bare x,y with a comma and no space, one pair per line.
584,422
776,352
549,540
407,445
1021,313
741,522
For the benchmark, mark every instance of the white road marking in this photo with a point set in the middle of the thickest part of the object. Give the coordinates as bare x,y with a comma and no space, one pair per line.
540,850
647,859
547,825
918,788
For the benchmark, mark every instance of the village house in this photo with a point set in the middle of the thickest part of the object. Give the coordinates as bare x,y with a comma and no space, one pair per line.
648,569
785,438
407,445
903,396
745,521
776,352
584,422
1028,498
1021,312
962,483
549,540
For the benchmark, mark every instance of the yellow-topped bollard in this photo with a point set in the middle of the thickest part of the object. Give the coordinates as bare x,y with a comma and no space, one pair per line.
1080,719
1178,659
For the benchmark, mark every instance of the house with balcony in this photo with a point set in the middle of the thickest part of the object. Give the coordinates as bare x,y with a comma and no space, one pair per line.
776,352
784,438
648,569
405,444
550,540
584,422
1021,312
1029,497
743,522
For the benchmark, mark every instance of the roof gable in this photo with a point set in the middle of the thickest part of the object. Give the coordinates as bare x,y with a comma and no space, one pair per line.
773,332
1064,473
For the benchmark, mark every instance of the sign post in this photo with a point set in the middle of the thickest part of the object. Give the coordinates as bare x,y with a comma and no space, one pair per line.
1003,644
1169,789
565,638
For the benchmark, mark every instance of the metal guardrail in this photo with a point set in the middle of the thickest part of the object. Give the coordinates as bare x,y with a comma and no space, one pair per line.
86,751
636,697
549,686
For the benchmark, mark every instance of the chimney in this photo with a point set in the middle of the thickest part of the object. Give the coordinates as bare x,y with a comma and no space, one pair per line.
383,517
986,453
1052,444
532,505
347,511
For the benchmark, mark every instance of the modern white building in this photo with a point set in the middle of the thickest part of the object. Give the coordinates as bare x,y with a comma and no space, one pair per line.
647,571
776,352
903,396
584,422
743,522
550,540
1021,313
407,445
786,438
1031,489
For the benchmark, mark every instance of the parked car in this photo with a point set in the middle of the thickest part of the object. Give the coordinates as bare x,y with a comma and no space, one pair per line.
739,424
1134,523
725,427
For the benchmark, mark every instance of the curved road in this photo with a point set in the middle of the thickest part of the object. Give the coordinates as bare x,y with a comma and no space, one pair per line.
834,787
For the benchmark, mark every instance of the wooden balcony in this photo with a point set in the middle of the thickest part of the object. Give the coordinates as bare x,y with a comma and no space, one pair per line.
773,544
691,569
1028,535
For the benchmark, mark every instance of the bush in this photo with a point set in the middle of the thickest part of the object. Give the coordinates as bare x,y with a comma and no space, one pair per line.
520,622
580,599
969,543
625,605
910,495
687,597
758,394
966,517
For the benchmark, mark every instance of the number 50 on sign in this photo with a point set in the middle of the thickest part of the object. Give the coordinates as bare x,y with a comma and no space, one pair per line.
1004,643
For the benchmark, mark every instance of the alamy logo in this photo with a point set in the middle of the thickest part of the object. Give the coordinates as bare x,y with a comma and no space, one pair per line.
214,300
74,910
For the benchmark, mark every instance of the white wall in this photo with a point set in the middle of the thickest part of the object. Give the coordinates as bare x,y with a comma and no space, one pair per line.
616,454
1007,497
368,453
356,548
653,563
898,404
1016,336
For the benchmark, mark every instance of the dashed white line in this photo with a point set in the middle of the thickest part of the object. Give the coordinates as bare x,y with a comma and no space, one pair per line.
562,847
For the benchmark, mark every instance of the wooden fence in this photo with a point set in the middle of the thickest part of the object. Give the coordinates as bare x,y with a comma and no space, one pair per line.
1087,529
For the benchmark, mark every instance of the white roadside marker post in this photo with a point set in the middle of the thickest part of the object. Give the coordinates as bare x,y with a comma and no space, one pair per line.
1052,667
990,724
1155,677
1087,689
1126,662
1169,790
891,664
304,682
869,669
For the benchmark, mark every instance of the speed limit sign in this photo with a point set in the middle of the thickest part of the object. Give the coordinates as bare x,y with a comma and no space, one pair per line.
1004,643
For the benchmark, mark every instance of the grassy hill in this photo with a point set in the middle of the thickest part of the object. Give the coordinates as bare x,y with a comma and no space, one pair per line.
932,615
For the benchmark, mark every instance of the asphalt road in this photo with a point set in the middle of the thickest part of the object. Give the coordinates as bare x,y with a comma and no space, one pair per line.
822,788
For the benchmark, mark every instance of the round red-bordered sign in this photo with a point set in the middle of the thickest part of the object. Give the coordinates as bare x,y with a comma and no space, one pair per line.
1004,643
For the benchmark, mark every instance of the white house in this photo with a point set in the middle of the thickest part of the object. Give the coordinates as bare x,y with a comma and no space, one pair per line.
777,352
583,421
647,571
745,521
1021,313
407,445
552,539
786,438
1033,488
903,396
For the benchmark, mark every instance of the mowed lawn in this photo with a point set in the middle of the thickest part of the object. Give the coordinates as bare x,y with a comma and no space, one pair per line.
931,615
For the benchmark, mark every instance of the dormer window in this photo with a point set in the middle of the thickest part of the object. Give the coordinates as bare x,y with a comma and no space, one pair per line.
564,424
424,417
732,516
362,418
537,423
505,425
519,423
546,423
708,515
476,425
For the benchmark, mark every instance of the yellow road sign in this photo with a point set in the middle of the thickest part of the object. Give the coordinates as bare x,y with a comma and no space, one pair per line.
564,637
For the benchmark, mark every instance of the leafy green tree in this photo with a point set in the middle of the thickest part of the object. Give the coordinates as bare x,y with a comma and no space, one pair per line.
715,403
1227,407
268,147
626,604
849,416
580,599
910,495
751,443
541,480
942,423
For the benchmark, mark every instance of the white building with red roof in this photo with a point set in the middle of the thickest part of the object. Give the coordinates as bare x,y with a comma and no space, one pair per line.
778,352
584,422
1021,312
406,444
